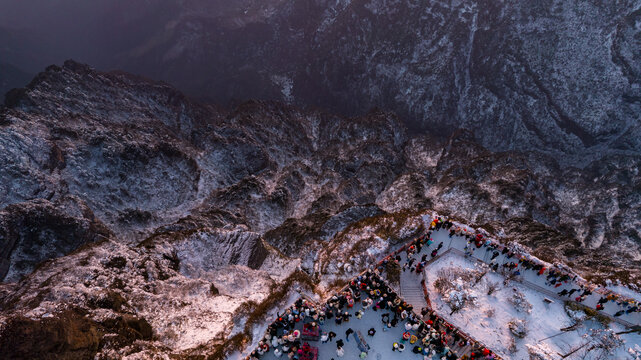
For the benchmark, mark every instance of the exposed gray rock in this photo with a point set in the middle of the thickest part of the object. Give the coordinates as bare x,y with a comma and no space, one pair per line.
147,160
38,230
340,221
518,74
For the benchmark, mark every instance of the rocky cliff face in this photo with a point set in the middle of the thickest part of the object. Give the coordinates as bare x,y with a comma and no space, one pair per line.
133,156
140,155
38,230
522,194
194,215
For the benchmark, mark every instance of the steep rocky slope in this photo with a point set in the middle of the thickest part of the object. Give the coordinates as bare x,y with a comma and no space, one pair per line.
582,214
141,155
37,230
137,157
173,226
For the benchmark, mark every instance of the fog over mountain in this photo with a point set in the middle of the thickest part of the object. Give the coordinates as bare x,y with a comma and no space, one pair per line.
555,76
174,171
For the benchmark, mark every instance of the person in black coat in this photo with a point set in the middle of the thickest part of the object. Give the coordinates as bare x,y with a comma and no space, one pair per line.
348,333
331,335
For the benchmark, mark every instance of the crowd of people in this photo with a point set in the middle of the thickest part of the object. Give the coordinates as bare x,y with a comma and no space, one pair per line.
425,335
413,264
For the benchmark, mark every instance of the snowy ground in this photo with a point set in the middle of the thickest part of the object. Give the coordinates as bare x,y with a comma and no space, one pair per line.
529,277
544,320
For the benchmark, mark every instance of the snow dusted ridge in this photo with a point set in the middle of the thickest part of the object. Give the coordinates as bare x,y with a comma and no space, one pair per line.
140,157
136,222
195,291
187,298
517,73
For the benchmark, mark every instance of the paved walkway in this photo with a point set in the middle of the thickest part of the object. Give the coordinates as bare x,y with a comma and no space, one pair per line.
411,291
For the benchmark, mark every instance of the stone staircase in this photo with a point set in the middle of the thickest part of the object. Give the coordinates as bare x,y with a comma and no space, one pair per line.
460,351
412,290
410,285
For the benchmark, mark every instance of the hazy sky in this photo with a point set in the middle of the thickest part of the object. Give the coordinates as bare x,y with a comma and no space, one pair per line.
40,32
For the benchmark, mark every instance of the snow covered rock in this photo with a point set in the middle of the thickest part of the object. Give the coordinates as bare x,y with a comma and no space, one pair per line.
520,302
144,157
541,352
37,230
211,214
518,327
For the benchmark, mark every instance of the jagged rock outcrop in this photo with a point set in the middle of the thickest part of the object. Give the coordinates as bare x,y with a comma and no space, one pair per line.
145,160
206,213
69,335
514,68
38,230
143,156
561,210
175,292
